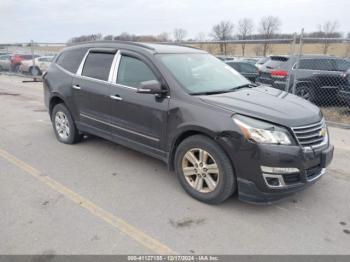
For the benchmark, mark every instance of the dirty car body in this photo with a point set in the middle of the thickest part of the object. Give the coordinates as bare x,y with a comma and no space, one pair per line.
237,120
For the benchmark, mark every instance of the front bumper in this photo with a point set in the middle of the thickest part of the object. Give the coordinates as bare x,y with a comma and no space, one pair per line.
253,187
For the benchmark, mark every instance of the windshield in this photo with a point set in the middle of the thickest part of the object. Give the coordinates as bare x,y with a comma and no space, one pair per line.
202,73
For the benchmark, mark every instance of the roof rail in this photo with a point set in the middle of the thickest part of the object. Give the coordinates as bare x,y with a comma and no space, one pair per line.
113,42
179,44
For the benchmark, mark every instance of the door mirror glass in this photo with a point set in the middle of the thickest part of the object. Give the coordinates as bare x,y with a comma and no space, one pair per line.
151,87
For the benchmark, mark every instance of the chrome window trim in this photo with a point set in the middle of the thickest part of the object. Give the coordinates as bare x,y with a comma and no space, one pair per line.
120,128
80,68
114,66
64,70
92,79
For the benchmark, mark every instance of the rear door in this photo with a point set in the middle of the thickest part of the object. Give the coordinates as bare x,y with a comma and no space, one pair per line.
91,89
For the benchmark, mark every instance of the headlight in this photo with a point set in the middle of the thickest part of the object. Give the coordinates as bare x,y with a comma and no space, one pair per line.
262,132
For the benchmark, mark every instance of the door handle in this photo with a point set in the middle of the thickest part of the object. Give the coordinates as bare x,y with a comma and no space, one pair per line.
116,97
76,87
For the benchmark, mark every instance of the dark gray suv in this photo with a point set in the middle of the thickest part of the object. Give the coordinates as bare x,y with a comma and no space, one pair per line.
184,106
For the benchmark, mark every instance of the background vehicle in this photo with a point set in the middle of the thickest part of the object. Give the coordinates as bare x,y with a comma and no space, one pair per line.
344,91
248,70
262,61
42,63
16,60
316,78
225,58
5,62
251,60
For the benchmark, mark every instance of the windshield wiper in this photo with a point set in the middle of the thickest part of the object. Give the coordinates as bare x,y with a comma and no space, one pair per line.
250,85
211,92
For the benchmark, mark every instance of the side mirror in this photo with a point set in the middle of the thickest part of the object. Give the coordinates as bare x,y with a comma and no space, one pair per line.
151,87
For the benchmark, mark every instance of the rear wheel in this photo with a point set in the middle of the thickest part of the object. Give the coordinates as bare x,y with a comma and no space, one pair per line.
306,92
64,126
204,170
34,71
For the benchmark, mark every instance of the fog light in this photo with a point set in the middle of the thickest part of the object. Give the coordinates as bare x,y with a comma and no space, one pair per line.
274,181
279,170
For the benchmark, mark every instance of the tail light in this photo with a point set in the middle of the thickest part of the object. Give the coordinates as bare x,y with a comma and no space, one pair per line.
279,73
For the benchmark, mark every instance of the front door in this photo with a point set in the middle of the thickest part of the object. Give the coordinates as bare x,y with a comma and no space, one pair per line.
139,118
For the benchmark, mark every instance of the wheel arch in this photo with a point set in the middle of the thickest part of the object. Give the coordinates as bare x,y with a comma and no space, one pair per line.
188,132
55,100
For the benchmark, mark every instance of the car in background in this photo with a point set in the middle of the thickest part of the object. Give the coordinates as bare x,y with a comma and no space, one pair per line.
16,60
344,92
5,62
262,61
246,69
316,78
42,63
225,58
251,60
4,53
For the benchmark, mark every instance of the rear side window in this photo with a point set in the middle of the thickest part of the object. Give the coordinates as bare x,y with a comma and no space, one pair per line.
71,59
234,66
342,65
133,71
247,68
97,65
317,64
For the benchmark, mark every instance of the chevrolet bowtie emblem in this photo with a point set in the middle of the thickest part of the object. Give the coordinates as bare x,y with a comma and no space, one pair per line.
322,132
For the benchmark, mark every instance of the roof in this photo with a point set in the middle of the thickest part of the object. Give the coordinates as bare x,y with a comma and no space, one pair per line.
150,47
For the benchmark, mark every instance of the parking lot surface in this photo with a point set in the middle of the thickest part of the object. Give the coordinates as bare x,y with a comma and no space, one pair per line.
97,197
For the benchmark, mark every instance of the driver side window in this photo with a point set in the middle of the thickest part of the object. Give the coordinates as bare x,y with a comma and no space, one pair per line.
133,71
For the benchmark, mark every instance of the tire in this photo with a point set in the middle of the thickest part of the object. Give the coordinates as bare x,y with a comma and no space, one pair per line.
64,126
306,92
34,71
225,179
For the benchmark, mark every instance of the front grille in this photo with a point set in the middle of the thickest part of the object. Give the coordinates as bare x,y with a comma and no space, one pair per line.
291,178
310,135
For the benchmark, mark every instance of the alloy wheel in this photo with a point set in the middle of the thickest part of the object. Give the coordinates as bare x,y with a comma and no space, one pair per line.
62,125
200,170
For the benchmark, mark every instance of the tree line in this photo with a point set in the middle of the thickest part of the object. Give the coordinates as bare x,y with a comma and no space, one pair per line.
267,29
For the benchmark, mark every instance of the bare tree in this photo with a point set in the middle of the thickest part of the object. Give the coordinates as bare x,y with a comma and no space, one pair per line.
269,26
179,34
245,29
223,32
85,38
200,38
163,37
328,29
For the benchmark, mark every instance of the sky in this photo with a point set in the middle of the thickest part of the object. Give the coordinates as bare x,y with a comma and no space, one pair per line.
60,20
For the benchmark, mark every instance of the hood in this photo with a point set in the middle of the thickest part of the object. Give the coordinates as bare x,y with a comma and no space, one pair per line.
269,104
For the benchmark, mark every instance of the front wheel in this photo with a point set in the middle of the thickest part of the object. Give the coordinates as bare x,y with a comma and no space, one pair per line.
204,170
64,126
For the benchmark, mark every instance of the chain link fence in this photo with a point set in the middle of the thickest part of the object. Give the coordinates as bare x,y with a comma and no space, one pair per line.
317,69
